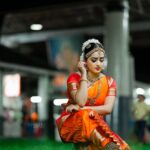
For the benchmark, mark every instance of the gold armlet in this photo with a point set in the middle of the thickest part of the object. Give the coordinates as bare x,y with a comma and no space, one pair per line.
73,86
112,92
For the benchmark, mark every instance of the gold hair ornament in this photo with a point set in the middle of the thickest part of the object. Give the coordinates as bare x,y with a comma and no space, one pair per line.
94,50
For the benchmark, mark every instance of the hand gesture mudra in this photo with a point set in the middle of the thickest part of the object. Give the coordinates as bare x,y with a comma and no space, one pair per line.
82,67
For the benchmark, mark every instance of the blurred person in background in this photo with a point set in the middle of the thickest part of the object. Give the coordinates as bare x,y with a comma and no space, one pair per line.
140,110
91,97
26,117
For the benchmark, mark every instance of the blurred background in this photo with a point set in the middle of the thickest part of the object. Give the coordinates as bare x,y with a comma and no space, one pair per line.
40,45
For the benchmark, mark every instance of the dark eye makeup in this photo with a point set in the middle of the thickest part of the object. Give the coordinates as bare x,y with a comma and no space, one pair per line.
101,59
94,59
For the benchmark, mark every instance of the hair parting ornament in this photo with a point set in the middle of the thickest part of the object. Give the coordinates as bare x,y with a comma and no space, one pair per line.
90,46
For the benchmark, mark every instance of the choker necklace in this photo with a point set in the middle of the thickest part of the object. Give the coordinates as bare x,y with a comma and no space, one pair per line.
93,80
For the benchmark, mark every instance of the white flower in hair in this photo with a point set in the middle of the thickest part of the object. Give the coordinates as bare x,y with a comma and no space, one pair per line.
88,42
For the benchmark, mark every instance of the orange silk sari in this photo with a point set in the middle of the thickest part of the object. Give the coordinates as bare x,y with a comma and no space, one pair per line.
77,127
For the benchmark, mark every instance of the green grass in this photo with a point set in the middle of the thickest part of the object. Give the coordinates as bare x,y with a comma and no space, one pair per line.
47,144
32,144
139,146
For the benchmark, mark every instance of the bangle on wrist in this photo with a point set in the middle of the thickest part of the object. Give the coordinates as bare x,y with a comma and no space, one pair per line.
83,80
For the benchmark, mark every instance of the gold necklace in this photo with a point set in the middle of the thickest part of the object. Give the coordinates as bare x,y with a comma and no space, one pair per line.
93,99
93,80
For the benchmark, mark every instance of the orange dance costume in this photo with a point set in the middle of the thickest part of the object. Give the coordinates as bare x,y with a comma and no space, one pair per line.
78,127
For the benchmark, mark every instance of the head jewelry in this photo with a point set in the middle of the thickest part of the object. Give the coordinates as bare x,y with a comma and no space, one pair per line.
91,46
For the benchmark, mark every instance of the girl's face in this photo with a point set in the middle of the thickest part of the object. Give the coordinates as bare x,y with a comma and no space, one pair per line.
95,62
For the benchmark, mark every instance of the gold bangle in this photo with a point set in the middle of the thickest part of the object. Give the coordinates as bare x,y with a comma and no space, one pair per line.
84,80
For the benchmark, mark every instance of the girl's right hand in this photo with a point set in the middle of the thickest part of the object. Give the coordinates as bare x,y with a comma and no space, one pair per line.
82,67
72,108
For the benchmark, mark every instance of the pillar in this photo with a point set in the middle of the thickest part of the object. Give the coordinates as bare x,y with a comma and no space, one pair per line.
1,103
43,88
117,51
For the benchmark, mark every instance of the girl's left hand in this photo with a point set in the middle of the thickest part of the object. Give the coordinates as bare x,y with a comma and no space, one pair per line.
91,114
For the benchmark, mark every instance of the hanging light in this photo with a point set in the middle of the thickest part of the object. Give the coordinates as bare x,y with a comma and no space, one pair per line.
36,27
58,102
36,99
